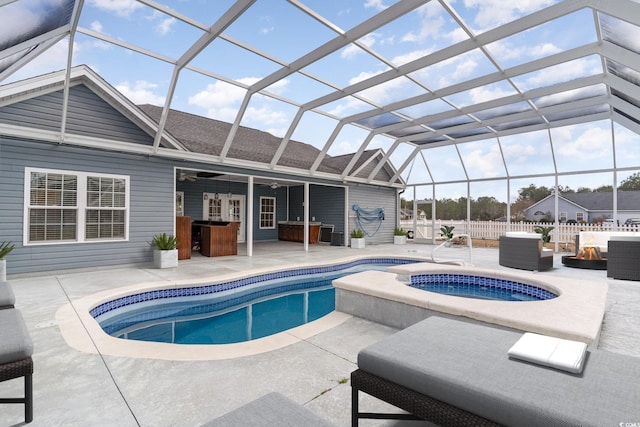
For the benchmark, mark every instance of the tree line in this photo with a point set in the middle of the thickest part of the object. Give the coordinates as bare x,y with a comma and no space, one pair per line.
486,208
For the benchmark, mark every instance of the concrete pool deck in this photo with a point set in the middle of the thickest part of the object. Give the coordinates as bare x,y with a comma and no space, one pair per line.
78,388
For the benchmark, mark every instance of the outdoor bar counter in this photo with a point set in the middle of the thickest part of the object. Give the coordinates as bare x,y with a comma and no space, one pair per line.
293,231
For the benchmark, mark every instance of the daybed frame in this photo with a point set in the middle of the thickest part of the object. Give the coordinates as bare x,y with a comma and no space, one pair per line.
454,372
419,406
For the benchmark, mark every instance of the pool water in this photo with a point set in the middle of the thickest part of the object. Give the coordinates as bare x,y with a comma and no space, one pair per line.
256,320
236,312
479,287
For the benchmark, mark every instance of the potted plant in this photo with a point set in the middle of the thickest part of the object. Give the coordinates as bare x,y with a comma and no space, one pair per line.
399,236
446,231
357,239
5,249
545,233
165,254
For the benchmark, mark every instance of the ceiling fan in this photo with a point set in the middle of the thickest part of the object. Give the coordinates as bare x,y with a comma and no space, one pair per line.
274,185
184,176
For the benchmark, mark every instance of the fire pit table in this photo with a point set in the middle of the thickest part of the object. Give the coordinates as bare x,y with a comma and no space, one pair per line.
589,258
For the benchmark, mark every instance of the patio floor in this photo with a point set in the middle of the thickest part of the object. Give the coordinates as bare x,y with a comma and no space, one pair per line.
73,388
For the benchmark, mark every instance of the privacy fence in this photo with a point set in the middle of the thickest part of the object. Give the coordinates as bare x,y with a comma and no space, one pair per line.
492,230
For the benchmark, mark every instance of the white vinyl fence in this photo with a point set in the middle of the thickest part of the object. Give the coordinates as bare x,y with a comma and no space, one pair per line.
492,230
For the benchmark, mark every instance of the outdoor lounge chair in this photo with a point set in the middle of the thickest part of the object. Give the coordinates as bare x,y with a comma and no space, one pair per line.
7,299
454,372
16,349
524,251
270,410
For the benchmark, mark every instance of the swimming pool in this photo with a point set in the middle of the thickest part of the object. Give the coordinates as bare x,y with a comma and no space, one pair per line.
230,312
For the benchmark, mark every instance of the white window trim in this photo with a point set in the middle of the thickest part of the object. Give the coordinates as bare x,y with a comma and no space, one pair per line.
81,206
261,212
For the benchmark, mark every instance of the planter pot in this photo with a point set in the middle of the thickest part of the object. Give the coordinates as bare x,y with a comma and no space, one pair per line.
357,243
3,270
165,259
399,240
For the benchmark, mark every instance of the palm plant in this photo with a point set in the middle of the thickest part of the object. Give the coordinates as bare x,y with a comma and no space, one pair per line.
545,232
5,249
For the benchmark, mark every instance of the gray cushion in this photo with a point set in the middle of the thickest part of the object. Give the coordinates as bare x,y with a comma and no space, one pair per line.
271,410
6,295
466,365
15,342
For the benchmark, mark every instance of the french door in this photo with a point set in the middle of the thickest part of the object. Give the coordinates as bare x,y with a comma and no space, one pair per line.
225,207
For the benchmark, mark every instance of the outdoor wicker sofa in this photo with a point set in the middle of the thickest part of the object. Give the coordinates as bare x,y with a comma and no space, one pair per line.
524,251
455,372
16,349
623,255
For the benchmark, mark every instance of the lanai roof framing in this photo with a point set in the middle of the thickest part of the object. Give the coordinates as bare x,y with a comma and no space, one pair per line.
613,93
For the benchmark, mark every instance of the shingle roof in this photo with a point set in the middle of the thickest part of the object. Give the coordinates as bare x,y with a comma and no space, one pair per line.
203,135
627,200
208,136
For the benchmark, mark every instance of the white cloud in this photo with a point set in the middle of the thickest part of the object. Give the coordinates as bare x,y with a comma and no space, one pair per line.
563,72
165,26
141,92
487,93
222,100
492,13
486,163
119,7
219,99
594,142
411,56
352,50
97,26
376,4
544,49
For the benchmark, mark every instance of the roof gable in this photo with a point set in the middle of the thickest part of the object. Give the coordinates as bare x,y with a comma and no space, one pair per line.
88,115
93,109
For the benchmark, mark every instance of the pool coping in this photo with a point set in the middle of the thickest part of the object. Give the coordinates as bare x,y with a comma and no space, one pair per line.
83,333
577,313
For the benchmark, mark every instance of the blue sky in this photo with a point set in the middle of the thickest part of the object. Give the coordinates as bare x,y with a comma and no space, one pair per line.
282,33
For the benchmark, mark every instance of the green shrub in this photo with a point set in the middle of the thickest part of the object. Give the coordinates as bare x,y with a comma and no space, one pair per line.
357,234
164,242
400,232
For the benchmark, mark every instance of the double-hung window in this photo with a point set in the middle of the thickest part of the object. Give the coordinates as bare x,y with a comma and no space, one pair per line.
267,212
73,207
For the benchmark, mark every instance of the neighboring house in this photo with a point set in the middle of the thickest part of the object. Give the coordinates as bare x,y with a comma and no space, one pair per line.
594,207
94,191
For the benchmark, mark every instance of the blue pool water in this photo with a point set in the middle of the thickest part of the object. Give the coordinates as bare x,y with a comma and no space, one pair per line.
237,311
480,287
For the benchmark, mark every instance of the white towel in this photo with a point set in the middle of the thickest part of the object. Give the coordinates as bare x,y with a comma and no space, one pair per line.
553,352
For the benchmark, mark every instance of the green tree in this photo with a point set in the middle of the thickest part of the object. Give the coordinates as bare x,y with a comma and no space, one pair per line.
630,184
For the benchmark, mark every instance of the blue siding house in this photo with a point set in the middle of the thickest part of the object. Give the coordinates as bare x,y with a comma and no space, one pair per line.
82,183
593,207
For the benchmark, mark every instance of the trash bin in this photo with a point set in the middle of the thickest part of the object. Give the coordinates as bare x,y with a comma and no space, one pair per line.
336,238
